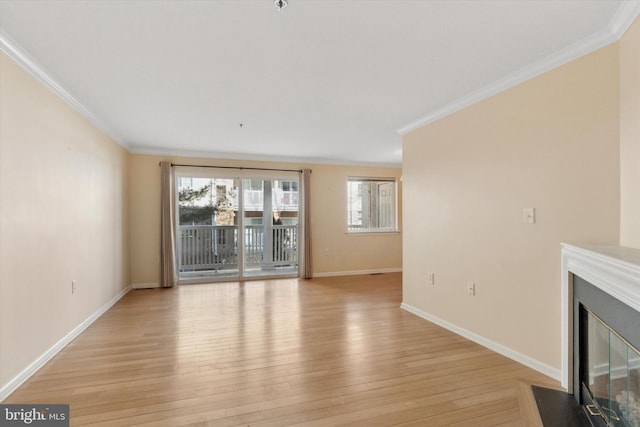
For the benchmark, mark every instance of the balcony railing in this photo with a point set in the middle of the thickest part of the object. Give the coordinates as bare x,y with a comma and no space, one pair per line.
215,247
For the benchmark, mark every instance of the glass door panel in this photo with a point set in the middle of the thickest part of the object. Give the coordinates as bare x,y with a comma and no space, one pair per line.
207,234
270,227
613,373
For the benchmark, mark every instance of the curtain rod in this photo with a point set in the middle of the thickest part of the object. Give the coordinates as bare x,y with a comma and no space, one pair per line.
238,167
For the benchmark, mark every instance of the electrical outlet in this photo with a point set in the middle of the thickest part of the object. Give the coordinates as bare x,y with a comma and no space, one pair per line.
471,288
325,252
431,279
74,286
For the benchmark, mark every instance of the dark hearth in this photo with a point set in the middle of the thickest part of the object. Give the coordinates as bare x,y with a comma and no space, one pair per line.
559,409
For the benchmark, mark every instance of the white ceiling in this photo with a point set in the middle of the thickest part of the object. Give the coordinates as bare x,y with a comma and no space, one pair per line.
322,81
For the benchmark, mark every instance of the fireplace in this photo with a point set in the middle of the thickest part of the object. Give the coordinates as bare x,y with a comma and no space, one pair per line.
601,332
606,342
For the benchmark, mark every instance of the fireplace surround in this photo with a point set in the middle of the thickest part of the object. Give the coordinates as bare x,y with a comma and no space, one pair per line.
601,332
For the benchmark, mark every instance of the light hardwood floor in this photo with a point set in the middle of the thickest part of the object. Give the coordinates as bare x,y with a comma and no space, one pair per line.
322,352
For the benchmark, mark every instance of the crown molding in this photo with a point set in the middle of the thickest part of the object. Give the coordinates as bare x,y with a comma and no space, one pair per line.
200,154
625,16
26,61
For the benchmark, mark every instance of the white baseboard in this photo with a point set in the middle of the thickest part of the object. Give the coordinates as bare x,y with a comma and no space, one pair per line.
358,272
144,285
534,364
12,385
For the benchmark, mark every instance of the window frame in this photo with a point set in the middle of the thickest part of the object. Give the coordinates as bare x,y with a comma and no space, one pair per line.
353,228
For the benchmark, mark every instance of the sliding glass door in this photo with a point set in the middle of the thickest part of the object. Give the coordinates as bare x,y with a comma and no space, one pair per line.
236,227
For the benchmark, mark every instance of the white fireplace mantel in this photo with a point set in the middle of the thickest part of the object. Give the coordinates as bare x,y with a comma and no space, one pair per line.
613,269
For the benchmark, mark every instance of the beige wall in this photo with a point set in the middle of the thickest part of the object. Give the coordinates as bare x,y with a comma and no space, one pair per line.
551,143
630,137
347,253
64,209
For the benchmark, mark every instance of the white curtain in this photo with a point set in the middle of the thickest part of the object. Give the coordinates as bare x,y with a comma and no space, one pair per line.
168,276
305,270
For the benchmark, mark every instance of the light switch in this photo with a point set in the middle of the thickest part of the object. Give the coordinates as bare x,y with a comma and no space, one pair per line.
529,216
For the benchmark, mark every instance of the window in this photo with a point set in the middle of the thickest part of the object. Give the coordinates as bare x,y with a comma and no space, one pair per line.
371,205
289,195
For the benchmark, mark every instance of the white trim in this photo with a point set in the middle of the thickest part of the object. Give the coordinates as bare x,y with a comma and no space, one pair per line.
19,55
613,269
358,272
491,345
201,154
12,385
624,17
150,285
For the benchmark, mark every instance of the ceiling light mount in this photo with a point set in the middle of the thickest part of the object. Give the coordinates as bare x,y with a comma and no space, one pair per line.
281,4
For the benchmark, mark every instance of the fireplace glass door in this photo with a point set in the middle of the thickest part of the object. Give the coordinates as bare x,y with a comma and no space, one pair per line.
613,375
